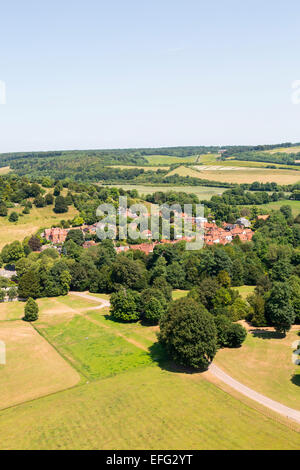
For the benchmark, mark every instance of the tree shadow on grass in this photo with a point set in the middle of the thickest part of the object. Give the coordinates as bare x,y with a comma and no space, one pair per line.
160,356
266,334
296,379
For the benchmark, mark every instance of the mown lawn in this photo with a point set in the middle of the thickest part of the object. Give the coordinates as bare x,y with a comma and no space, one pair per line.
145,408
264,363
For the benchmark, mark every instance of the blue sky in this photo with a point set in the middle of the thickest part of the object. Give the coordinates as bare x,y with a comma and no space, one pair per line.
111,74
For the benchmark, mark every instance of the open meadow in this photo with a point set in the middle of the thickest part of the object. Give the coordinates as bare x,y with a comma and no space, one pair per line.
125,393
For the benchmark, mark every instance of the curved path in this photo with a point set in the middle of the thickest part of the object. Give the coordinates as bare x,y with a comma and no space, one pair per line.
84,295
221,375
258,397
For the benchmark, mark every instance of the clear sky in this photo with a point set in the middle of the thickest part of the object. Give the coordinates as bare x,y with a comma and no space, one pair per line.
133,73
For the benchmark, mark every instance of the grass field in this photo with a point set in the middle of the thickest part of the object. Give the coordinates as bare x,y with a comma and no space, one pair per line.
33,367
129,395
30,223
203,192
146,408
178,293
264,363
247,175
245,290
94,351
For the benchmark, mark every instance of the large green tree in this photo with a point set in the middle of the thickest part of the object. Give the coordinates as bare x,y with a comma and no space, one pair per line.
189,334
279,308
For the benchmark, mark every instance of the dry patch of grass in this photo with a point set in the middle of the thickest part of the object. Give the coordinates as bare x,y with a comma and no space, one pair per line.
33,368
264,363
4,170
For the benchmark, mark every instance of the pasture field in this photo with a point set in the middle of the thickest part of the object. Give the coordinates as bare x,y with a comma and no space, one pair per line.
264,363
28,224
247,175
203,192
33,367
168,159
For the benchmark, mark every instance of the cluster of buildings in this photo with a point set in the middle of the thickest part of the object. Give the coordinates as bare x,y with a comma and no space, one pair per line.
213,234
57,235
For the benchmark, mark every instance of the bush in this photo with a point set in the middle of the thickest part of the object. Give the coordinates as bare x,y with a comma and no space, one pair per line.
13,217
124,305
31,310
188,332
236,335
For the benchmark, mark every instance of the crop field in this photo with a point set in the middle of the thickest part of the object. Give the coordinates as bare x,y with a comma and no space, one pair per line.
203,192
245,175
28,224
264,363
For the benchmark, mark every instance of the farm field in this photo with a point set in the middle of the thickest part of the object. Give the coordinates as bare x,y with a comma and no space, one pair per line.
246,175
168,159
203,192
264,363
30,223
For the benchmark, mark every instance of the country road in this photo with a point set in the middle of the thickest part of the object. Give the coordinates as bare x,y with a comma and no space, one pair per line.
221,375
258,397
